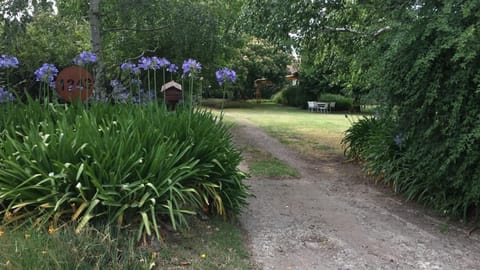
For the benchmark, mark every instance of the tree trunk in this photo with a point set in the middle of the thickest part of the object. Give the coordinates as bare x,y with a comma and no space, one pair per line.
96,39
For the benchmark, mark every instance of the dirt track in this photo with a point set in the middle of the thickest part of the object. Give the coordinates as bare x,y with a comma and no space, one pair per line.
332,217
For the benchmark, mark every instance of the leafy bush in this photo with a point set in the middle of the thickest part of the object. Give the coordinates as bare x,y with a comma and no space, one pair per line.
217,103
291,96
372,140
342,103
429,79
298,97
448,183
117,163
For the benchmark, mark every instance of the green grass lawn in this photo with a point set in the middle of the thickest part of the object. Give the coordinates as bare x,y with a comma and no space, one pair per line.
313,134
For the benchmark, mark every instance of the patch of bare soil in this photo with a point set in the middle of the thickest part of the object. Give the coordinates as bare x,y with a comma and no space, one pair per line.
333,217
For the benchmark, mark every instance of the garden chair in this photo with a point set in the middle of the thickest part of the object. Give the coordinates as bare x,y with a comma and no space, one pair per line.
322,107
331,106
312,106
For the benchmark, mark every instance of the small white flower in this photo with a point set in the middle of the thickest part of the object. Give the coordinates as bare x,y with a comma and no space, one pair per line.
51,174
79,185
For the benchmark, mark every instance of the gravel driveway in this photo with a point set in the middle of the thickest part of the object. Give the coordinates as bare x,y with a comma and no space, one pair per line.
333,217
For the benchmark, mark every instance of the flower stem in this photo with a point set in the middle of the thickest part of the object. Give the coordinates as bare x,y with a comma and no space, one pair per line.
155,85
223,100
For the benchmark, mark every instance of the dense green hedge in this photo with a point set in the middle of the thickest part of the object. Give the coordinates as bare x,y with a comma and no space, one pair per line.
291,96
342,103
117,163
217,103
429,78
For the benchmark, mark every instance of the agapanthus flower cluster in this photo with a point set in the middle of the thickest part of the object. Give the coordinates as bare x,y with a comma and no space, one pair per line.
190,66
117,86
144,97
224,75
121,97
119,93
85,58
5,96
127,66
135,82
162,62
46,73
147,63
154,63
398,139
130,67
7,61
172,68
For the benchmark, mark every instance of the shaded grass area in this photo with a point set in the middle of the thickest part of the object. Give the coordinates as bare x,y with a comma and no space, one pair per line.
312,134
212,244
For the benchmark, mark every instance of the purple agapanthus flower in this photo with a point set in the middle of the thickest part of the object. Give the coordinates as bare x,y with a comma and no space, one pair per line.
190,66
7,61
146,63
117,85
398,139
46,73
172,68
130,67
135,82
120,97
5,96
85,58
144,97
224,75
163,62
127,66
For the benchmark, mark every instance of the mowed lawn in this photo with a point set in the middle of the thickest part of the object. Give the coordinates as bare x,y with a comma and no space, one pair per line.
311,133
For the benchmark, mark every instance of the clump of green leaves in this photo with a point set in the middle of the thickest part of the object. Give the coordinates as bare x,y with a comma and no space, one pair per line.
117,164
373,141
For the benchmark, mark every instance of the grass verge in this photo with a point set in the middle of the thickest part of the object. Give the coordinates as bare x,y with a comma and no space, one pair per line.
212,244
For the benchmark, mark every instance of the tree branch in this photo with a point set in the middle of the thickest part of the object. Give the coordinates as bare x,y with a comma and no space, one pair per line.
142,54
134,29
349,30
342,29
381,30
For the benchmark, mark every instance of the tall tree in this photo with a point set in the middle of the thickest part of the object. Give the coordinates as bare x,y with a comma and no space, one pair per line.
97,47
329,35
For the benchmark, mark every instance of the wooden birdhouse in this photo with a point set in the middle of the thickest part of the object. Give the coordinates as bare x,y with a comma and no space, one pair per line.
172,93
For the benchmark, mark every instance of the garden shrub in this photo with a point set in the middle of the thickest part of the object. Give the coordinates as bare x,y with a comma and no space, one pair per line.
427,76
227,104
291,96
372,140
342,103
280,98
115,163
297,97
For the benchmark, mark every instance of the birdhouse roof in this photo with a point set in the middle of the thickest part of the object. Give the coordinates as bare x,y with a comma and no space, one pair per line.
171,84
